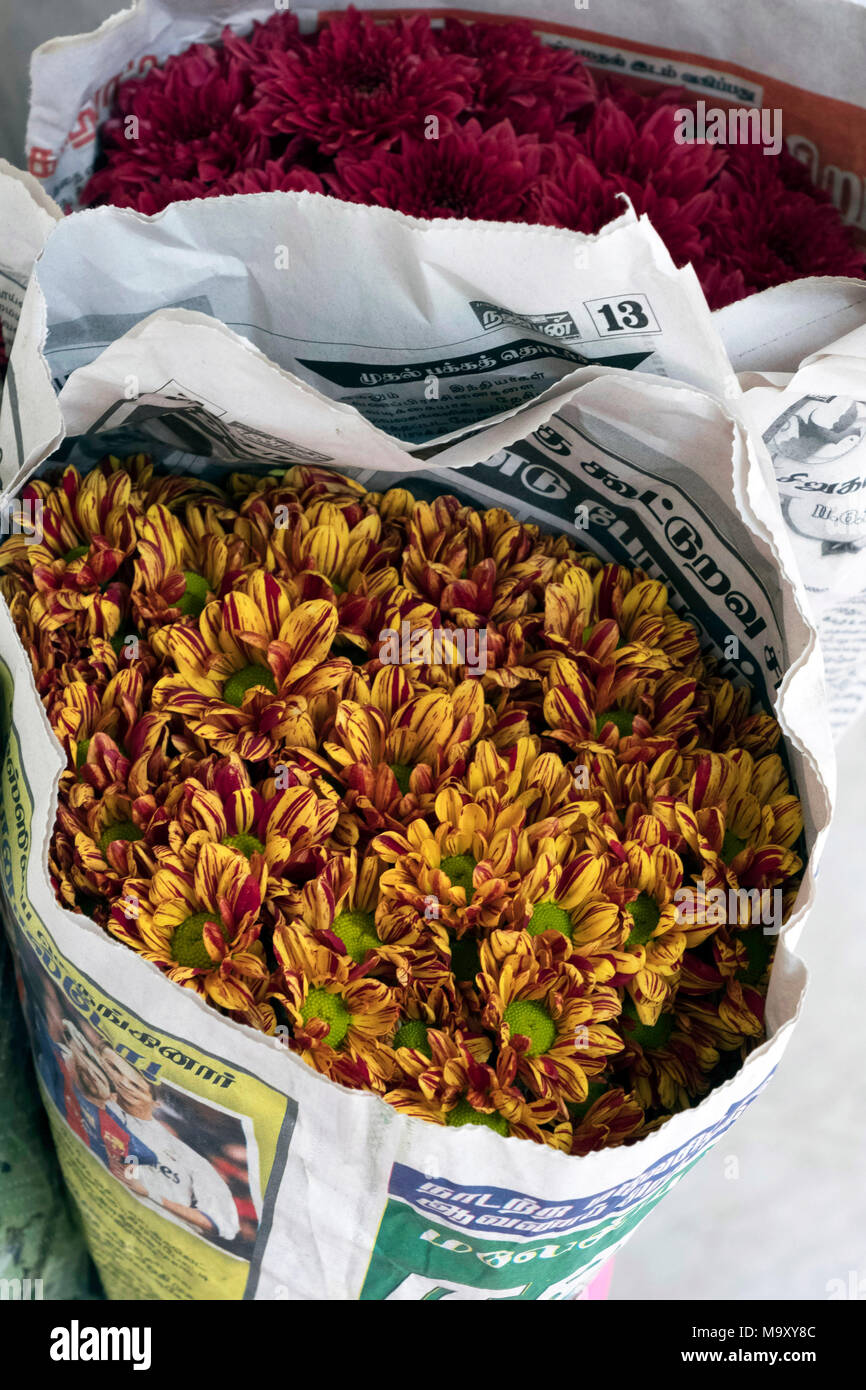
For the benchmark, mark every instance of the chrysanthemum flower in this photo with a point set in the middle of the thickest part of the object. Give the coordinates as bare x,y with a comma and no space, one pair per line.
644,877
276,176
87,533
474,566
361,84
456,1089
598,611
279,31
639,155
97,844
674,1062
341,1021
608,1117
394,754
665,1066
519,78
467,172
338,551
740,819
200,926
249,678
341,905
551,1021
464,865
735,723
190,121
77,711
560,893
770,224
522,774
179,569
289,830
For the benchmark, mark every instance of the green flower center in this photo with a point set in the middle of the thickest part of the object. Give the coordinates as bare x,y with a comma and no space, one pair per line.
759,949
121,830
194,596
622,720
465,960
531,1020
413,1033
732,845
247,844
645,913
459,868
587,633
81,752
646,1034
549,917
76,553
579,1109
320,1003
237,685
187,942
402,772
357,931
465,1114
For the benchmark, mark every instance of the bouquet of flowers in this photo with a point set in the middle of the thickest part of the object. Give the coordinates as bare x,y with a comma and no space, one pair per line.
479,120
451,802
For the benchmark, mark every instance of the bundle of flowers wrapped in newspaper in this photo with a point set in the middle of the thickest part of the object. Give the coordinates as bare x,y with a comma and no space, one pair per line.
453,803
464,120
531,724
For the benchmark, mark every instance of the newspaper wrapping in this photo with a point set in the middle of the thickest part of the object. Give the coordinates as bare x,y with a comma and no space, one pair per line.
800,351
42,1253
353,360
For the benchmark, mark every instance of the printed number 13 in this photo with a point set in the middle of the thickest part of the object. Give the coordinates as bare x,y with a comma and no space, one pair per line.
630,315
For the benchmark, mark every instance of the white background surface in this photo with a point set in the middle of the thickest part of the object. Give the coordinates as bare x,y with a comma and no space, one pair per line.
795,1218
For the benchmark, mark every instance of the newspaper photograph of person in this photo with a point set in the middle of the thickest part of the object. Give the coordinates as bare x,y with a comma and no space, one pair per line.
190,1161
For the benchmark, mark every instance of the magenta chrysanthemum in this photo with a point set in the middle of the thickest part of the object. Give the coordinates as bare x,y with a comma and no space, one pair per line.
518,78
486,174
362,84
636,155
479,120
768,225
185,121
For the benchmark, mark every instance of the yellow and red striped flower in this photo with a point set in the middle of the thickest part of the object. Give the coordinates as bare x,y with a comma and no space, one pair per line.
180,568
201,925
251,678
289,830
643,877
549,1020
341,1021
475,567
457,1089
394,754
